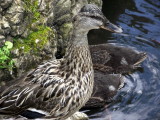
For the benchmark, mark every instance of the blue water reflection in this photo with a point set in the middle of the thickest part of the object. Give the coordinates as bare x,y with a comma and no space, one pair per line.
140,98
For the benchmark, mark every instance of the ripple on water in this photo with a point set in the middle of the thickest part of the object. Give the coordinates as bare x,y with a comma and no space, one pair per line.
139,99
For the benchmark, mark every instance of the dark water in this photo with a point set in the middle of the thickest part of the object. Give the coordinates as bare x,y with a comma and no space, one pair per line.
140,97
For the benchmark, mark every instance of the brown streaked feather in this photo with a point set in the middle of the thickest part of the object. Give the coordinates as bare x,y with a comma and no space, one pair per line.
118,59
101,93
42,86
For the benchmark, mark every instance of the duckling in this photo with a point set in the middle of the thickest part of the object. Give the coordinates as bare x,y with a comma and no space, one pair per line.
60,87
113,58
105,88
109,59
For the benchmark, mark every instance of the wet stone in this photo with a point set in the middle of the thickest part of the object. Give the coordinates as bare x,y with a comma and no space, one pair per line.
5,3
1,9
18,30
2,37
17,18
4,26
14,24
15,14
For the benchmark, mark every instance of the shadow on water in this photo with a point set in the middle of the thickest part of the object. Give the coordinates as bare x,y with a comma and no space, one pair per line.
140,97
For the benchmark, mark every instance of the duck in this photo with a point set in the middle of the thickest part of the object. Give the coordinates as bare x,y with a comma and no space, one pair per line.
116,58
111,62
105,88
59,87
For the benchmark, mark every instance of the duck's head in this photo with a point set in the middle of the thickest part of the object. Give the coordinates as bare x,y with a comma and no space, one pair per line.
91,17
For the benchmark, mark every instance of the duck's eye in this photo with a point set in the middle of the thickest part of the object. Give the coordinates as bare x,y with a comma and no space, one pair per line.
97,18
107,23
94,17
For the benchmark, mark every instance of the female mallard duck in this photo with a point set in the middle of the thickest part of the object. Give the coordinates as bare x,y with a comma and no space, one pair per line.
60,87
109,59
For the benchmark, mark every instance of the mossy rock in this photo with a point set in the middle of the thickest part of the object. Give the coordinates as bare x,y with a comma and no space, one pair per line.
35,41
41,23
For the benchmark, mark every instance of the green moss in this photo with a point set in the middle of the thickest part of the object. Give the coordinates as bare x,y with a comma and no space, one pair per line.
65,29
35,40
38,35
5,56
67,26
31,7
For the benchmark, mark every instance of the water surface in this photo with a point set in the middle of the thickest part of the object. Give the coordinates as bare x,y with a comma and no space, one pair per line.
140,97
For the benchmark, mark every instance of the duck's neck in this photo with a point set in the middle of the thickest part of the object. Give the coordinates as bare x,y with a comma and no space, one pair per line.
79,38
78,56
77,41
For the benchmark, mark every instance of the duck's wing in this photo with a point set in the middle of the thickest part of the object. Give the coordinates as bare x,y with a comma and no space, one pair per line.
121,59
106,86
99,56
34,90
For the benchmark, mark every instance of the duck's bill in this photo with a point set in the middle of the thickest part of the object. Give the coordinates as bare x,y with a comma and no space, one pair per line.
111,27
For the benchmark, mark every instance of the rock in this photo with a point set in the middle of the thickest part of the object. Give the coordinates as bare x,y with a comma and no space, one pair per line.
18,30
78,116
2,37
18,20
16,12
25,33
97,2
5,3
61,11
2,40
1,9
77,5
5,76
42,5
4,26
15,16
66,28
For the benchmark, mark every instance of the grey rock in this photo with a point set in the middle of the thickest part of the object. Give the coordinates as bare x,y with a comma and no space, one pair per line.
4,26
17,18
18,30
61,12
42,5
77,5
2,40
25,33
5,76
5,3
78,116
97,2
15,14
2,37
14,22
1,9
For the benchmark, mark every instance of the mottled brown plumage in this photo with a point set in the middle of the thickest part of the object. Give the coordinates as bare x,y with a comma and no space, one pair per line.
60,87
105,88
114,58
109,62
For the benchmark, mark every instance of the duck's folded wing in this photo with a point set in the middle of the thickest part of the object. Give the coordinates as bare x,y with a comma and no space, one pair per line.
33,92
18,98
120,59
15,99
